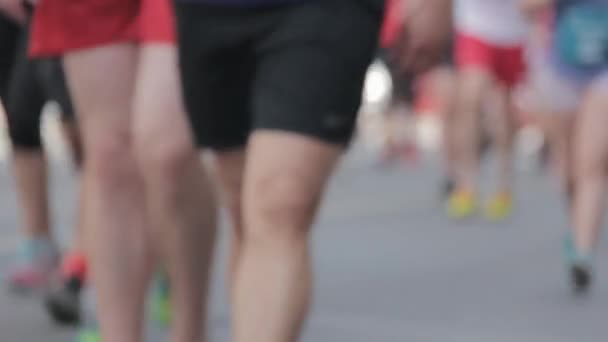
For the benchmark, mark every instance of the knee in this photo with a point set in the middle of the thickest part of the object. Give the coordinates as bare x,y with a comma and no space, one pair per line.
466,103
110,158
470,90
280,210
589,167
165,159
588,159
465,116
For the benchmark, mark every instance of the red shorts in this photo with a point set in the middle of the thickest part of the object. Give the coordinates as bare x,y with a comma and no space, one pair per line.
505,63
65,25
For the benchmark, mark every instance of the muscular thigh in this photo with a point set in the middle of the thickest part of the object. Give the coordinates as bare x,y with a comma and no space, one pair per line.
159,114
101,82
285,176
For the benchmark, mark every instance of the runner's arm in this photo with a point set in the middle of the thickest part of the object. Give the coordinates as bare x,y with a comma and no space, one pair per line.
427,30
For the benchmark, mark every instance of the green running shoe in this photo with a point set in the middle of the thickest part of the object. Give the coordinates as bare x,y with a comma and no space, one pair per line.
88,335
161,303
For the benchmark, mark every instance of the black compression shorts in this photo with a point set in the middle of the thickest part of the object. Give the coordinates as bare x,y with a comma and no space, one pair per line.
32,83
295,68
9,36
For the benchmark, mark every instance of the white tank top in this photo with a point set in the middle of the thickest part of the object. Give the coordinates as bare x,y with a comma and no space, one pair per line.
499,22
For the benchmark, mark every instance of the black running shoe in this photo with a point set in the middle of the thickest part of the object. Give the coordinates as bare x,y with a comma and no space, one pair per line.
447,187
63,303
581,277
485,144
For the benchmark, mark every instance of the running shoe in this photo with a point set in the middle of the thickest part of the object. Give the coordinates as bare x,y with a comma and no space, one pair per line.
579,265
447,187
88,335
39,259
88,329
485,145
461,204
161,304
63,301
499,207
581,276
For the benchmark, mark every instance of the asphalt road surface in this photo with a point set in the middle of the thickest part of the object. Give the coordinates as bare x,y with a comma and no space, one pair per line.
390,266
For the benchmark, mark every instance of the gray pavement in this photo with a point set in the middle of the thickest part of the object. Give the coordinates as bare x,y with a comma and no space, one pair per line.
390,267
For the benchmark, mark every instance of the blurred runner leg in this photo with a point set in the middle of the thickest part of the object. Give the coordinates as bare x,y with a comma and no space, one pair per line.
24,102
489,56
552,98
397,143
134,178
590,157
276,141
299,131
178,192
117,240
63,300
502,131
33,83
580,40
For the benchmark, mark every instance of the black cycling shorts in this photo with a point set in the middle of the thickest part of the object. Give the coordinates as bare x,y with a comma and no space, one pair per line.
9,37
295,68
32,83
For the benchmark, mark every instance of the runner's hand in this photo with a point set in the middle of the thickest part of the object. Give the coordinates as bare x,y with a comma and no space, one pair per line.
426,34
14,9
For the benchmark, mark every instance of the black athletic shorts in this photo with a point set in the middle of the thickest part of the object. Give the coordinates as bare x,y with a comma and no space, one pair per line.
32,83
296,68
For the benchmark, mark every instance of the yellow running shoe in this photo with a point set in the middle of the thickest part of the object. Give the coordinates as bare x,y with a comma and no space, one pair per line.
461,204
499,207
